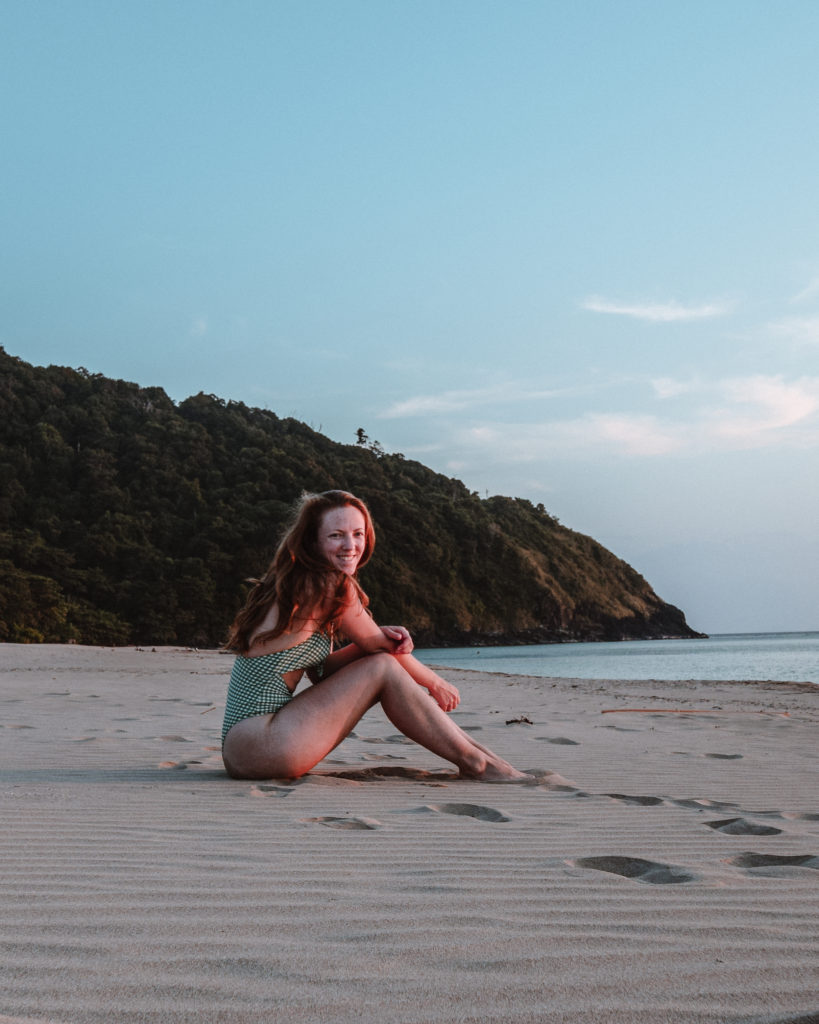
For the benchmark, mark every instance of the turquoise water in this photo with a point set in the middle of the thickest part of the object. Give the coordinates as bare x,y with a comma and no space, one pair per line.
791,657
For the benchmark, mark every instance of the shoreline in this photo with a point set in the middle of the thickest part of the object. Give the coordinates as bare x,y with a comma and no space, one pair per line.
805,687
442,665
755,657
666,865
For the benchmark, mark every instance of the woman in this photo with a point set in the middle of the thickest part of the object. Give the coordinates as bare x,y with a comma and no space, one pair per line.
310,594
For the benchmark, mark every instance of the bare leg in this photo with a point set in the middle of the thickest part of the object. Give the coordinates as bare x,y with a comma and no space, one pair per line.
295,739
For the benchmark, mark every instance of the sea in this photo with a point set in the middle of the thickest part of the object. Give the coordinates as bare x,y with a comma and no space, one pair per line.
782,657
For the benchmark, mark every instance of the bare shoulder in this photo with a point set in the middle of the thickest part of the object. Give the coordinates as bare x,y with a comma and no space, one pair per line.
299,630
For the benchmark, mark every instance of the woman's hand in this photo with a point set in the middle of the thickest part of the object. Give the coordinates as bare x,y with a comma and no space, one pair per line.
401,637
444,694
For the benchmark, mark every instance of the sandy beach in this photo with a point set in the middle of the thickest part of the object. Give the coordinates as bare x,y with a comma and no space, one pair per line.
664,868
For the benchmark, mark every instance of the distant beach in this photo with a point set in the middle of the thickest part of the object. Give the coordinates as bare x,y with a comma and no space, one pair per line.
664,867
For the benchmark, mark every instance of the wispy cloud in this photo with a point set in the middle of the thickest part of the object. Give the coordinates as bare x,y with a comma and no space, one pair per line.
421,405
455,401
810,291
591,434
697,417
744,412
667,387
762,407
656,312
633,435
797,329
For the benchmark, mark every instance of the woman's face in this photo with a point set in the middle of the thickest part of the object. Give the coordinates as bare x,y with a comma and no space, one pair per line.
341,537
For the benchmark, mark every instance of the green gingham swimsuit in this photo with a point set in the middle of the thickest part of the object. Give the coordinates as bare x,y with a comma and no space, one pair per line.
257,686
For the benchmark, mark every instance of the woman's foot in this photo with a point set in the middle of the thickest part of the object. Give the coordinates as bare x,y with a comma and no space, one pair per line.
494,769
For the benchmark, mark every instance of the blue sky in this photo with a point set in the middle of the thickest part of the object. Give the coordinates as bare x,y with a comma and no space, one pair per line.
562,251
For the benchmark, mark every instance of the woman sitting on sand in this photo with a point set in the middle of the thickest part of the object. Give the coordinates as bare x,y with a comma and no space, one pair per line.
308,595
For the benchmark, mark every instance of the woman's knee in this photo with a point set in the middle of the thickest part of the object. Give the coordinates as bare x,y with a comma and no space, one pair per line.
385,665
394,677
381,662
382,668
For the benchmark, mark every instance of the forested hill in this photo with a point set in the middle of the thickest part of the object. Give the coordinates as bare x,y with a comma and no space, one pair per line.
127,518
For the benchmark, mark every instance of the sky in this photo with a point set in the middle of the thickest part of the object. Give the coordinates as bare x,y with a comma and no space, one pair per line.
566,252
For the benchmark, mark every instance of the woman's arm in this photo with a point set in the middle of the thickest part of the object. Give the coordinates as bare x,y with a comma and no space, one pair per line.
401,643
369,638
359,627
334,661
444,694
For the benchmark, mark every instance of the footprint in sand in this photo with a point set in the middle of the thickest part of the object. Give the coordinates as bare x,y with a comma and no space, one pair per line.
265,789
725,757
396,738
548,779
175,739
562,741
468,811
706,805
637,869
327,780
641,801
770,860
743,827
357,824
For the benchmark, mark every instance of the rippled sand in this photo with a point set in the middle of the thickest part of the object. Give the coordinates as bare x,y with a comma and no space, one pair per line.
665,868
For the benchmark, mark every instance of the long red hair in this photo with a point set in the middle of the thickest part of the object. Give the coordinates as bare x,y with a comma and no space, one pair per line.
299,580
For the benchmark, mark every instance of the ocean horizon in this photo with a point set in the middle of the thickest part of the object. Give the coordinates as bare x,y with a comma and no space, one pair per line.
778,657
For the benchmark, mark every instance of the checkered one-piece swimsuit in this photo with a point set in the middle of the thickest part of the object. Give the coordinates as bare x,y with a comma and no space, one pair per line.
257,686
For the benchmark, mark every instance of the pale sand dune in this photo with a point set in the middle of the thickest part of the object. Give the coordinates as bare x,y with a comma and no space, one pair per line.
667,871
